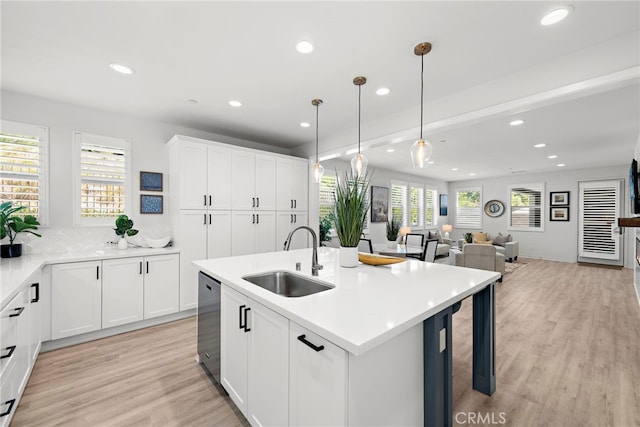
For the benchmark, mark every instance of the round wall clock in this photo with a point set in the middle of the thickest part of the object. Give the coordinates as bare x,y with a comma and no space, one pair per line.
494,208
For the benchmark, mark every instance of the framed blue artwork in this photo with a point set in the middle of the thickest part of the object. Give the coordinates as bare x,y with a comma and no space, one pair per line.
150,204
150,181
444,211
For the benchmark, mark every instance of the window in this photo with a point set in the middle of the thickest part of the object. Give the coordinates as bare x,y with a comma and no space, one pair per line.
23,167
430,196
327,193
416,205
526,210
399,201
468,212
102,177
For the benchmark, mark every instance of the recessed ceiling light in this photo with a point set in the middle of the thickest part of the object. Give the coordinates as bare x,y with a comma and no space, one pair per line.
192,101
390,150
454,169
556,15
517,122
122,69
383,91
553,156
304,46
305,124
472,174
540,145
560,165
235,103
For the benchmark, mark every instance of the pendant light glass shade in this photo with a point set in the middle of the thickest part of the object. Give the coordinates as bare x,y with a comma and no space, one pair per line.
318,170
359,162
421,149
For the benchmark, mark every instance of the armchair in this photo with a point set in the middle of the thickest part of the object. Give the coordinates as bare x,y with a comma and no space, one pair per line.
503,244
480,256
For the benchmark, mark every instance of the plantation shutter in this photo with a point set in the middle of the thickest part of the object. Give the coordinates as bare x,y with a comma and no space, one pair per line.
526,210
416,197
600,207
429,198
327,195
398,202
468,209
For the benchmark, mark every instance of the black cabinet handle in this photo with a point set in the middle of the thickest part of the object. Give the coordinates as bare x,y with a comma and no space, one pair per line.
209,219
140,267
11,350
291,219
205,200
253,202
258,202
209,199
313,346
241,326
257,218
291,203
295,218
19,312
246,310
253,218
205,219
37,298
10,403
295,204
147,267
97,272
208,287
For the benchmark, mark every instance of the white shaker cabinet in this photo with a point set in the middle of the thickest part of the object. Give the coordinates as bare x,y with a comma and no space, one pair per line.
161,285
200,234
253,181
318,383
253,232
76,298
122,291
255,359
292,184
286,222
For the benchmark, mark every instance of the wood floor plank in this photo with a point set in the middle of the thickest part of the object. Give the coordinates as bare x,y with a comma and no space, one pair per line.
567,345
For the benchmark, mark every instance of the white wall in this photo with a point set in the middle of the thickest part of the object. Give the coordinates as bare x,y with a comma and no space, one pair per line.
559,240
381,178
148,139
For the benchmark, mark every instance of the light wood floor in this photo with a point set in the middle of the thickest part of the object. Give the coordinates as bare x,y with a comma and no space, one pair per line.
568,354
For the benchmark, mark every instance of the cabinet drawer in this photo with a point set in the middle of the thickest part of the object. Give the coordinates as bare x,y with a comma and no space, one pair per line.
9,334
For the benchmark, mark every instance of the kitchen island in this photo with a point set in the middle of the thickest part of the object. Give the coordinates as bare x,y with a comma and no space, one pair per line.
391,323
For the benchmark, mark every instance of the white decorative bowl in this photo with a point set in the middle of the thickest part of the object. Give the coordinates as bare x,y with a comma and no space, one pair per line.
158,243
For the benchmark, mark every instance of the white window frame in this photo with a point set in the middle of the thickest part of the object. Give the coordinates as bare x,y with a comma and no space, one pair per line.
405,202
465,226
78,139
536,186
42,132
434,207
421,198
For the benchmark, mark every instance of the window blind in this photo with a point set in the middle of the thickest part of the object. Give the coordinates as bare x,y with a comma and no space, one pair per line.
327,195
429,200
102,180
399,202
416,198
526,207
468,213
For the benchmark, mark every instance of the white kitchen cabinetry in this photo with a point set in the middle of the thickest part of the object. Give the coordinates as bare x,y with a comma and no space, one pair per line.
255,359
253,232
253,181
201,235
287,221
318,384
76,298
292,184
122,291
161,285
199,176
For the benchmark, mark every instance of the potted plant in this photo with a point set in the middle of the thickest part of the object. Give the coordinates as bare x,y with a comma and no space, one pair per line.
124,226
325,227
393,228
350,212
11,226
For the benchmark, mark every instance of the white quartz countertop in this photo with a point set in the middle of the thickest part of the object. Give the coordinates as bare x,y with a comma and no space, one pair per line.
368,305
14,271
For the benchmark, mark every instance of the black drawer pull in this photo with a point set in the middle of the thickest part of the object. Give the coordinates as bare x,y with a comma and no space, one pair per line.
241,326
246,310
147,267
313,346
208,287
37,298
19,312
140,267
10,403
97,272
11,350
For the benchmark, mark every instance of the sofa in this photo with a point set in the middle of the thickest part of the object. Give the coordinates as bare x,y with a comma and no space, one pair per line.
504,244
443,244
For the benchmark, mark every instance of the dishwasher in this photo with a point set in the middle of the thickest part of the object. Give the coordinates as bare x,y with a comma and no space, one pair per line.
209,324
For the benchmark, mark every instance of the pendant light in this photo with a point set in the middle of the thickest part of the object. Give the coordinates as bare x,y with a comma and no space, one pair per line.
359,162
318,170
421,149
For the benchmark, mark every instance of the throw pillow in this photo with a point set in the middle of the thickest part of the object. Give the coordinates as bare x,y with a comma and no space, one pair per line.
501,240
480,237
435,234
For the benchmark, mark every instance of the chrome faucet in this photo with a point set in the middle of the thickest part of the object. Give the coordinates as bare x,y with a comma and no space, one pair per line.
314,259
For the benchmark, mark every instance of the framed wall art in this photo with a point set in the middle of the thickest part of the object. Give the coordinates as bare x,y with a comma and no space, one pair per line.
559,214
559,198
150,181
379,204
151,204
444,210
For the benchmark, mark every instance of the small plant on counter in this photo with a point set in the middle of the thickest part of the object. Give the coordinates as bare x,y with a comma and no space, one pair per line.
350,211
393,228
11,225
124,226
325,227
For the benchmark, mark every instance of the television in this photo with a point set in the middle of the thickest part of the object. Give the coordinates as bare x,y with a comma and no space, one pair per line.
633,188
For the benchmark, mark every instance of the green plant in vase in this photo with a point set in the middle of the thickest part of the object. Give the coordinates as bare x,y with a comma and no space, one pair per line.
12,225
393,228
350,212
124,226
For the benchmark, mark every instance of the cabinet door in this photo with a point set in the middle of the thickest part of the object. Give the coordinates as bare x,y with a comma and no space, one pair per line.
284,224
302,238
161,285
76,298
243,225
122,291
35,318
193,175
318,380
234,346
268,367
219,177
193,246
219,234
265,182
300,185
265,232
284,186
243,178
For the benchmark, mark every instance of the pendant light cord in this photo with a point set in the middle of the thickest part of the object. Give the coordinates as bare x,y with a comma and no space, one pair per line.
359,107
421,95
317,109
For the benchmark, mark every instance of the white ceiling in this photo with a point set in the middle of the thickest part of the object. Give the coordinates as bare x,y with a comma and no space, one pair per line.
491,61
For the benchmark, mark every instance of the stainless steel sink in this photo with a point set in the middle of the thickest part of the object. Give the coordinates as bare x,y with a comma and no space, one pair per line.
287,284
